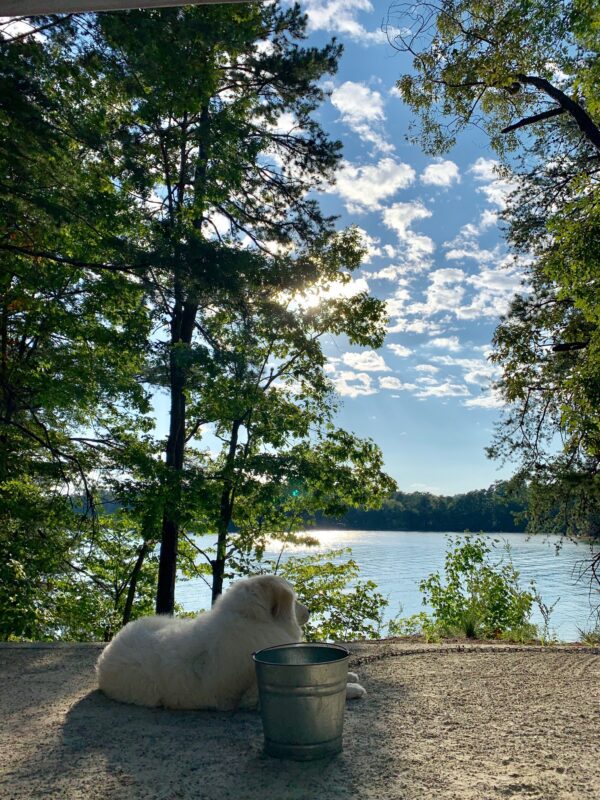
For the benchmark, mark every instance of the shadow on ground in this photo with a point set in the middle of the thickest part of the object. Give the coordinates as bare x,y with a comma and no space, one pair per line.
158,753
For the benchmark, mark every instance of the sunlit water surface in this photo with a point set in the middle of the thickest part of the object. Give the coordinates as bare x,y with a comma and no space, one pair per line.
398,560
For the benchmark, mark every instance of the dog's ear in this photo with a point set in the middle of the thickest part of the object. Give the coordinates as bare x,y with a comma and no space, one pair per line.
282,606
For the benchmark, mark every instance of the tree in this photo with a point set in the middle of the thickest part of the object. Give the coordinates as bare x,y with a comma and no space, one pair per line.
176,190
491,63
548,347
73,339
68,361
341,607
193,138
262,390
477,597
526,67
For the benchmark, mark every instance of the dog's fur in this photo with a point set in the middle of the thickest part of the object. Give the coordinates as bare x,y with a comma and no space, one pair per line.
205,662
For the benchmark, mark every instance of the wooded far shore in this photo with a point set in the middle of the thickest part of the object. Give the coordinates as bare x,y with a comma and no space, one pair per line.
493,510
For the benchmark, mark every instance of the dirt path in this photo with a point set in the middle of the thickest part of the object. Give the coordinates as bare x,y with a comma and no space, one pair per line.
437,724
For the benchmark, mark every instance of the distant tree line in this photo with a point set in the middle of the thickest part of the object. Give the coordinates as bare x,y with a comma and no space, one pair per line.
494,510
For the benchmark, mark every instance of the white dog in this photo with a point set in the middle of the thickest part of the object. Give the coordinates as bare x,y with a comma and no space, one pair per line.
205,662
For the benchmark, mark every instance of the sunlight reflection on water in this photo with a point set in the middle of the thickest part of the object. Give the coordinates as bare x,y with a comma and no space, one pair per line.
398,560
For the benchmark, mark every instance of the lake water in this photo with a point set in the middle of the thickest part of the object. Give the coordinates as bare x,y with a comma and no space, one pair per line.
398,560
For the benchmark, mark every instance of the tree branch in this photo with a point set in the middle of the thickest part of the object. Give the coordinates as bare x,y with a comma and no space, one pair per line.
554,112
584,122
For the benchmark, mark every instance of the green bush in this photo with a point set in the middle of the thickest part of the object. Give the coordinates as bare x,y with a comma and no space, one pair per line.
342,608
590,637
416,625
476,597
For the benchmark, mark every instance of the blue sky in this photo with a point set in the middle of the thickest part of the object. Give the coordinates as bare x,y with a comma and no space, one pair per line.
436,255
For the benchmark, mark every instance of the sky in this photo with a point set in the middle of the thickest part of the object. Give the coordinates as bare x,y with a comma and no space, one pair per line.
435,254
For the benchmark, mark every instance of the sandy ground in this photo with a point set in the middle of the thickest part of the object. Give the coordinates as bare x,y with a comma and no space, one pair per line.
437,724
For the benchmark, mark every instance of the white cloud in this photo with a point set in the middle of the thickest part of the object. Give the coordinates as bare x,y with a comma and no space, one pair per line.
353,384
441,173
395,384
496,188
499,275
414,326
265,47
444,293
395,305
357,103
482,373
364,187
491,399
475,370
416,248
285,123
445,389
465,245
427,380
494,288
362,110
400,350
216,226
427,368
393,272
487,220
368,361
484,169
486,293
339,16
472,251
450,343
12,27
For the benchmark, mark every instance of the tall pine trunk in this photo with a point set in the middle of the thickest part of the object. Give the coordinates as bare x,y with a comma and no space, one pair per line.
182,329
183,321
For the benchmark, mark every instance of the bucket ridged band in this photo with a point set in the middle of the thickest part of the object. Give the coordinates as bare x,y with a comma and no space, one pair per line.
302,689
304,752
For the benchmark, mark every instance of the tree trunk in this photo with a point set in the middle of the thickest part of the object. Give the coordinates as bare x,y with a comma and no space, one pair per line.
225,513
135,574
182,329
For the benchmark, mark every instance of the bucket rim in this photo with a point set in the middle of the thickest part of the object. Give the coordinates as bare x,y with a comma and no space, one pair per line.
300,646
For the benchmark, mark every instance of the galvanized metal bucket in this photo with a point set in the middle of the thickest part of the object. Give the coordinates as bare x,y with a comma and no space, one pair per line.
302,689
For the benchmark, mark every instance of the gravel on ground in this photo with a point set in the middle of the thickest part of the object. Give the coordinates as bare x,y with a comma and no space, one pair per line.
440,722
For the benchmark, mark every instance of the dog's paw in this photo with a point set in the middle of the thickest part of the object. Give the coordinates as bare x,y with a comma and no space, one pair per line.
354,691
352,677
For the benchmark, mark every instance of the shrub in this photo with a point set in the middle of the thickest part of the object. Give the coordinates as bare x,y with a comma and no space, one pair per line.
341,607
590,637
416,625
476,597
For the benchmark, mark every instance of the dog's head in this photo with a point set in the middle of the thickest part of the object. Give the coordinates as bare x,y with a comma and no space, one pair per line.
265,598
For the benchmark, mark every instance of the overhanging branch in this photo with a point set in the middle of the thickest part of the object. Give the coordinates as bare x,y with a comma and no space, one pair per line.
554,112
584,122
